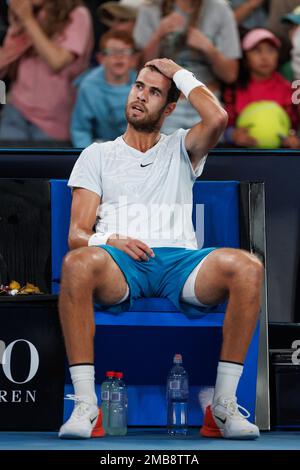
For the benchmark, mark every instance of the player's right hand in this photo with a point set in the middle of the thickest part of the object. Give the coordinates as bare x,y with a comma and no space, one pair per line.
166,66
136,249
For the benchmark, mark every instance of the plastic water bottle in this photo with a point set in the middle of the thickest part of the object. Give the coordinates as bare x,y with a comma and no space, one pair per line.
118,407
105,389
177,398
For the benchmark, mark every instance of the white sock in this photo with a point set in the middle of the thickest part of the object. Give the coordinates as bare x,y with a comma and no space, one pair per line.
228,376
83,379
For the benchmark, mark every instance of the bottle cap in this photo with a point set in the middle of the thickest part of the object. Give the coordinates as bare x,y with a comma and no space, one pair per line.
177,359
119,375
110,373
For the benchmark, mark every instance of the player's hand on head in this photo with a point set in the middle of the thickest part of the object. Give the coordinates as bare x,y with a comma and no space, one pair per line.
166,66
136,249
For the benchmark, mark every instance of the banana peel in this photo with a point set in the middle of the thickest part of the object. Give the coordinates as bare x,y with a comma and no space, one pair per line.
18,290
30,289
14,285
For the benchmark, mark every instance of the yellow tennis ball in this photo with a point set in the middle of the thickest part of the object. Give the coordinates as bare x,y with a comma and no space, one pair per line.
267,122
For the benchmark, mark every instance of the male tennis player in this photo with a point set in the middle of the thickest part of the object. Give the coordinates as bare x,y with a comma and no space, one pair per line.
137,193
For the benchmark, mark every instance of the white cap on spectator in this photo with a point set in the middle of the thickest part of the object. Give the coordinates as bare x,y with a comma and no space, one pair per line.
257,35
125,10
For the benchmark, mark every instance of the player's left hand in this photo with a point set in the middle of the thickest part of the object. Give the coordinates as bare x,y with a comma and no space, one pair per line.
166,66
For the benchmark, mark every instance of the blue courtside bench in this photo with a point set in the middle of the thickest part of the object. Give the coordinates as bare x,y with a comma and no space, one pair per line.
142,342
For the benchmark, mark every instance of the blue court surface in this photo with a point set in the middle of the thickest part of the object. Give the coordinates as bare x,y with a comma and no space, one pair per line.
148,439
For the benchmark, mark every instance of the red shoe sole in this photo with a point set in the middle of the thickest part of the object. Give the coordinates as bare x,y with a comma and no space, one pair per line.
98,430
210,428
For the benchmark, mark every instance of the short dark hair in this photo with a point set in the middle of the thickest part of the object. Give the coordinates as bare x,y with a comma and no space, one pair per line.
173,93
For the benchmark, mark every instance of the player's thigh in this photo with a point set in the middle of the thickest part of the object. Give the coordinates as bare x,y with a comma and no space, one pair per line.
111,285
213,278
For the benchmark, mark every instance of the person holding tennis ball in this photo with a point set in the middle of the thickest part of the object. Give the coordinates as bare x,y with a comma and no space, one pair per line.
260,108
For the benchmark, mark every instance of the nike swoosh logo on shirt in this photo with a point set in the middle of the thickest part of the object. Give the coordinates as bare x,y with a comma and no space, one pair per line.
146,165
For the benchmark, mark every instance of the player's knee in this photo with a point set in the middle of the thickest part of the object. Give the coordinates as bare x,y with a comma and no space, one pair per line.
83,263
249,268
254,271
238,264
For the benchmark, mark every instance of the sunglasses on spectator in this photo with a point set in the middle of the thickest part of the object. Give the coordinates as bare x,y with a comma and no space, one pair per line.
118,52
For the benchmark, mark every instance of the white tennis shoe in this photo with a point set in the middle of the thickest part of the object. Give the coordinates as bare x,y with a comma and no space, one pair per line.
224,419
84,422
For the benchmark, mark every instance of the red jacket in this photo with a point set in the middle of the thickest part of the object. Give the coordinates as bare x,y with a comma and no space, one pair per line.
276,88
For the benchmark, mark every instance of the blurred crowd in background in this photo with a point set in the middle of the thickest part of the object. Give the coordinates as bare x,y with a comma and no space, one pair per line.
68,66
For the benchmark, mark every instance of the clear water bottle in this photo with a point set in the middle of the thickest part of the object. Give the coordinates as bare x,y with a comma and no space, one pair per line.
105,389
177,398
118,407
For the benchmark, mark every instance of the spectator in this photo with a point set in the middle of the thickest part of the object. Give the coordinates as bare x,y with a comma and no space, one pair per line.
200,35
293,21
53,41
99,109
277,9
259,81
119,16
250,13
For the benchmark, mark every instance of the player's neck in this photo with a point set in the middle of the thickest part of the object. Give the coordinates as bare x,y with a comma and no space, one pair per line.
141,141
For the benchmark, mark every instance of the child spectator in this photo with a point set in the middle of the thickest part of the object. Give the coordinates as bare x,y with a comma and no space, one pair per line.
259,81
99,112
48,44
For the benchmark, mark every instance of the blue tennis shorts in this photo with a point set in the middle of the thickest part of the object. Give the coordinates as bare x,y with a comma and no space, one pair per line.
162,276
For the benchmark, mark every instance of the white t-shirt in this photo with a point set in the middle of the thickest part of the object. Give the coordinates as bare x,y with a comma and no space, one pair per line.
147,195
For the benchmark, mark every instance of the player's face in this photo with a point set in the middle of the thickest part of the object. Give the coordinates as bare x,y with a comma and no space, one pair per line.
146,105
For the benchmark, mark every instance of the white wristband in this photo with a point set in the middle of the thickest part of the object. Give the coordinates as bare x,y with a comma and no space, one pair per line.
99,238
186,81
